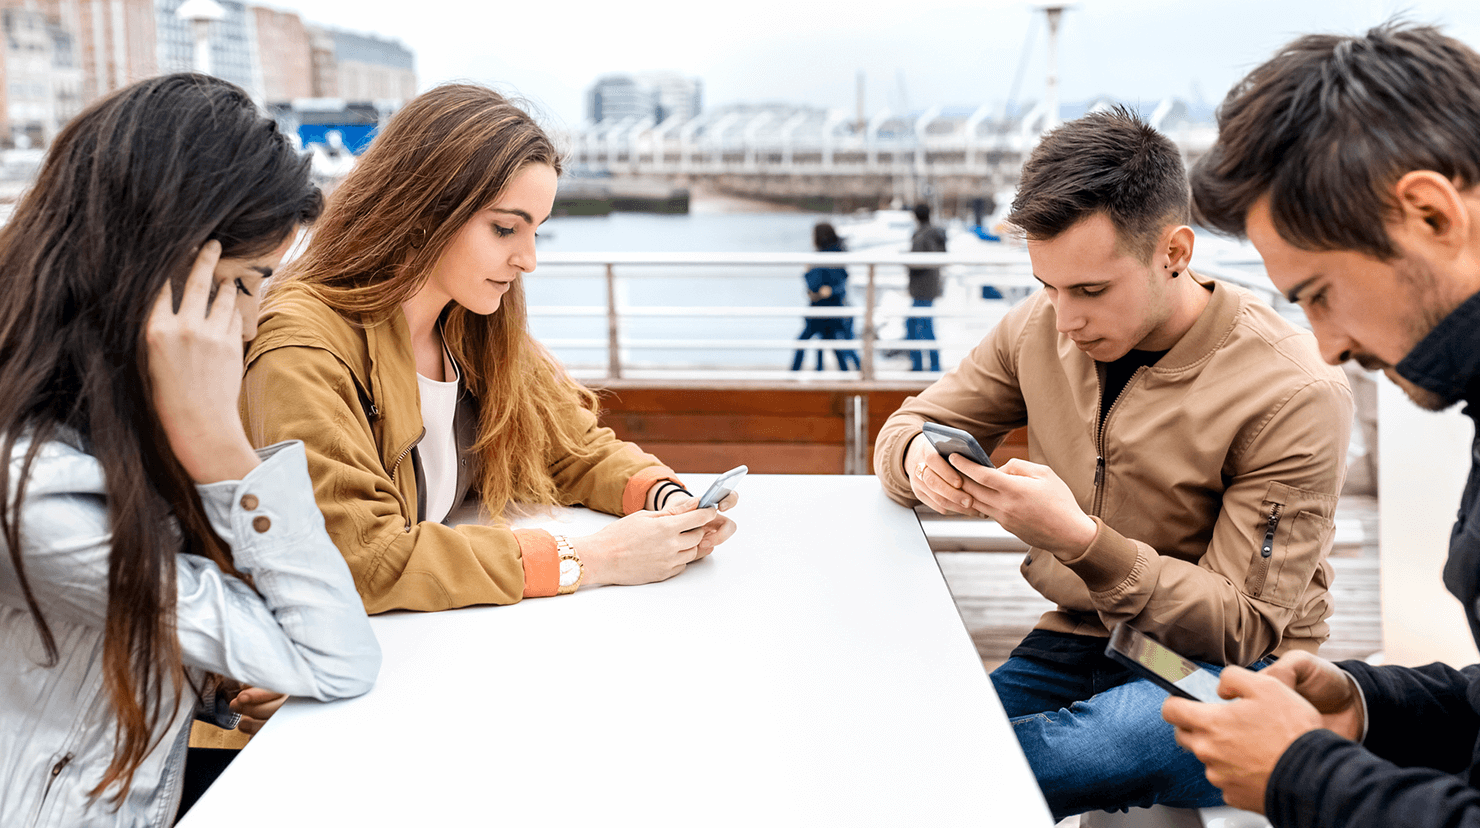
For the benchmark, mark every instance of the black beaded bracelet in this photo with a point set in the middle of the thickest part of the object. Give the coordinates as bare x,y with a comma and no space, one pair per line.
667,489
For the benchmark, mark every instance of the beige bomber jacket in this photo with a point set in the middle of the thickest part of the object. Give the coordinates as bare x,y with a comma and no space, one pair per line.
1215,496
350,394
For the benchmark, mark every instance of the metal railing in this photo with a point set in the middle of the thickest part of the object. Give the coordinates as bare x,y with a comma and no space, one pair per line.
1004,268
881,272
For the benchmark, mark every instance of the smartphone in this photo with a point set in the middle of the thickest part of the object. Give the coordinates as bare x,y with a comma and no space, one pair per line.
1162,665
949,441
721,487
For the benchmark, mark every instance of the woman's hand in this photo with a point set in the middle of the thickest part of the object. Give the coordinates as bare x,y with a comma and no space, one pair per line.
256,706
195,366
645,547
716,531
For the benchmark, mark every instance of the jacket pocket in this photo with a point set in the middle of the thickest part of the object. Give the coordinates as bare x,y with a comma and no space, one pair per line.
1294,532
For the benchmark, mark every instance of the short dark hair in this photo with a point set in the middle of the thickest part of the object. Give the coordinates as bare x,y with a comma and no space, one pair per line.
1328,124
922,213
1109,162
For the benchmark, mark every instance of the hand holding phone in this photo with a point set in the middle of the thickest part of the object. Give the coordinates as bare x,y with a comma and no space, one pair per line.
948,441
1162,665
721,487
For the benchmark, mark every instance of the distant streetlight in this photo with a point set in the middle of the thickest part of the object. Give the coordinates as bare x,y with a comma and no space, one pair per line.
1054,11
201,14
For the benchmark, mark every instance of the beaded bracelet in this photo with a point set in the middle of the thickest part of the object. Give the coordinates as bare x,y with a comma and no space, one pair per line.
667,489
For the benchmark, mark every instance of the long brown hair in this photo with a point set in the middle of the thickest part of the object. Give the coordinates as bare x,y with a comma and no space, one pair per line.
129,191
446,155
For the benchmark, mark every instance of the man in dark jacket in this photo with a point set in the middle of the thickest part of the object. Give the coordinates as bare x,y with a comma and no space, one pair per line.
1353,165
924,286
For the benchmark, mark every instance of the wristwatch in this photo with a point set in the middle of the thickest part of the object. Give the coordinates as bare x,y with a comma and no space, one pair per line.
571,570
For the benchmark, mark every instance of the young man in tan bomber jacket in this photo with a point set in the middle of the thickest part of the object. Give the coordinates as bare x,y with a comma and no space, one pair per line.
1187,444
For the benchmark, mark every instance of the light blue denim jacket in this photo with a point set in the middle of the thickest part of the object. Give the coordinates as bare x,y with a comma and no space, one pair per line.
303,631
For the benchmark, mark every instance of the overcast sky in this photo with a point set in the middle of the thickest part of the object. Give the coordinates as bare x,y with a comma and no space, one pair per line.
914,53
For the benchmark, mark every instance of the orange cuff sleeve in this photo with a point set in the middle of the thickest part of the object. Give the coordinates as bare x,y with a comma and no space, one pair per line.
541,562
634,496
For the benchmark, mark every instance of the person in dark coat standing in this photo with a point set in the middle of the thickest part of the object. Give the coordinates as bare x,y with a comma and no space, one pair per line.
924,286
1380,244
827,287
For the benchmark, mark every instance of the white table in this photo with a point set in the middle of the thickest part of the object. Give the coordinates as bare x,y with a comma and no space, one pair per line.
813,671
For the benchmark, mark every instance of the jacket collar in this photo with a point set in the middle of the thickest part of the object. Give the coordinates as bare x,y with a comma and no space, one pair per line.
378,357
1447,360
1210,330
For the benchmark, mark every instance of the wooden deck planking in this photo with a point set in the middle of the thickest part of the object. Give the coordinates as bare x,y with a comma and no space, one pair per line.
998,607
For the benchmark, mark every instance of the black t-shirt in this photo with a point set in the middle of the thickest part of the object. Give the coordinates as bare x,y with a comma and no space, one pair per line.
1087,651
1119,372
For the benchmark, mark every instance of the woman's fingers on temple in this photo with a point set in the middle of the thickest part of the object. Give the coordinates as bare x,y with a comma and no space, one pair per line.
202,273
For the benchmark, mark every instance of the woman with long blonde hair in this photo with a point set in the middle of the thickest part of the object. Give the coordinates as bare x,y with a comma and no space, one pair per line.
397,349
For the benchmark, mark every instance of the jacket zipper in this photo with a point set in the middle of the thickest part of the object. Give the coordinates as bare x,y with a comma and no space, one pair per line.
1100,434
396,466
1266,551
1274,522
56,770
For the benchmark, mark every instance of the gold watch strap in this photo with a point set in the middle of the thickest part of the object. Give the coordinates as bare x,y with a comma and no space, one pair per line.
567,552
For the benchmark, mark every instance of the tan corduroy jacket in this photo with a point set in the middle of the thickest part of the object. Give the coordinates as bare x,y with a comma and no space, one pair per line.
350,394
1216,492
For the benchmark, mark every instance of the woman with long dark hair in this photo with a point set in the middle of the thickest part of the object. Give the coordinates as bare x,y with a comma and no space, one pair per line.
153,559
397,349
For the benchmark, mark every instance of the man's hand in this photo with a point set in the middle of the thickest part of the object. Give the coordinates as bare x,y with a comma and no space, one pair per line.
933,481
1329,689
1031,502
1241,741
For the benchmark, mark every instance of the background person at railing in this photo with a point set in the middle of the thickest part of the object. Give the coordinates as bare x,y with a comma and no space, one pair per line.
1380,244
827,287
924,287
397,348
1188,448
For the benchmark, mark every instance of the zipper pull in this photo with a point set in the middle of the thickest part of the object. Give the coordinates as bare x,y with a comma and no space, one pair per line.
1273,523
1099,471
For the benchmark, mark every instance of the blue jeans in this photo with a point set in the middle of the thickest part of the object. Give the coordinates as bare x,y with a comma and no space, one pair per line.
827,327
921,327
1096,740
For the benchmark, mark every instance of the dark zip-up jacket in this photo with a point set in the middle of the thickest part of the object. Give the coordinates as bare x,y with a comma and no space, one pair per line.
1419,766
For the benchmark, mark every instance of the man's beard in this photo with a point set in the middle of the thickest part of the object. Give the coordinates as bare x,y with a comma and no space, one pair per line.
1428,311
1421,397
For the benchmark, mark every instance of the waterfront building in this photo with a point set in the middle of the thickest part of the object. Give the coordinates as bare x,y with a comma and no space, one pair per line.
233,44
42,86
655,96
678,97
285,53
361,67
115,40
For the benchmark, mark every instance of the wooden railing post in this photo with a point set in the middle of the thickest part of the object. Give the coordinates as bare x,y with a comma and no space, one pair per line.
613,340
